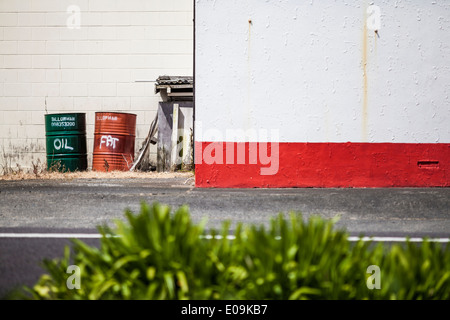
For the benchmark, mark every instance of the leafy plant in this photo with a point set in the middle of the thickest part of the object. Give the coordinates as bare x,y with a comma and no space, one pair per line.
162,255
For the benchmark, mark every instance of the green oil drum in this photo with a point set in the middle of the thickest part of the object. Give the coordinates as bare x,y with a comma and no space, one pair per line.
66,141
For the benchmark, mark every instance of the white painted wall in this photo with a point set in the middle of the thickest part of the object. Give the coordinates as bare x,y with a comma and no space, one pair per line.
46,66
314,72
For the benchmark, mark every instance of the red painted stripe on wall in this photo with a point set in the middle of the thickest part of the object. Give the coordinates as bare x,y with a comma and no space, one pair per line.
326,165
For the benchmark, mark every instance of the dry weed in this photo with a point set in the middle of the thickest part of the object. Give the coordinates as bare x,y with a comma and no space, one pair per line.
41,174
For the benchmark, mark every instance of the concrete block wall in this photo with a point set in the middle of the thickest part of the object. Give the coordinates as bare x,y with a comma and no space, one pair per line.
85,56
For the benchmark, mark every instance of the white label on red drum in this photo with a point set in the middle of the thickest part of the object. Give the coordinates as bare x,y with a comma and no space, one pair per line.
107,117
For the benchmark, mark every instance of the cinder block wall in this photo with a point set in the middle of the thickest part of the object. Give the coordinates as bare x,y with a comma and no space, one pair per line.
54,58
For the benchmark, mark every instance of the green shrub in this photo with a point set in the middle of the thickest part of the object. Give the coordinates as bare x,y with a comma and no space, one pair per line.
162,255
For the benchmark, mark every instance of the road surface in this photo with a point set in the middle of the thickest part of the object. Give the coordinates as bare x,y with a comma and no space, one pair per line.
33,211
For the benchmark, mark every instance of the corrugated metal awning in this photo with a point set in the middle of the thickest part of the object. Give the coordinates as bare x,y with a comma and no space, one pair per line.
175,87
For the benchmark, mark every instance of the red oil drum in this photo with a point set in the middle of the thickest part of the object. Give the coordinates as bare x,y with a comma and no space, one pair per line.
114,137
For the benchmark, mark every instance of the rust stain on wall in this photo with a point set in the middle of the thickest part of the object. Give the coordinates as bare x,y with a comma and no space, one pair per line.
249,70
249,75
365,84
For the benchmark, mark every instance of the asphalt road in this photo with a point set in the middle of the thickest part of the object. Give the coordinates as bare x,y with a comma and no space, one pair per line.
38,208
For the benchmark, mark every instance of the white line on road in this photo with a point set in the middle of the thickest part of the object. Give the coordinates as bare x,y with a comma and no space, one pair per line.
230,237
52,235
364,239
398,239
